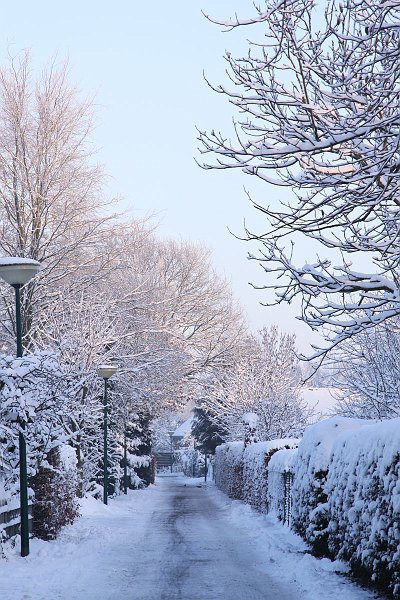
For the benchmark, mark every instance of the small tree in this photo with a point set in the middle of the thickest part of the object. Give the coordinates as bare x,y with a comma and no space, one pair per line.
55,504
206,432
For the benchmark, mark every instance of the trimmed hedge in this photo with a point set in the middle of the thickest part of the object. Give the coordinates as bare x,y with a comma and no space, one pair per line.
242,472
363,509
229,469
345,494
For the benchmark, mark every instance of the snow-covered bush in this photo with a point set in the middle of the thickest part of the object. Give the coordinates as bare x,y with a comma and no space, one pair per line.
242,472
55,484
345,494
190,461
309,511
33,391
280,478
138,464
229,469
5,498
363,509
256,459
139,460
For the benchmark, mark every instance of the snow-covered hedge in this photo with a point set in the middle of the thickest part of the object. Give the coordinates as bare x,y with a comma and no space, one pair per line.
280,477
346,495
256,458
54,484
363,509
229,469
309,516
242,472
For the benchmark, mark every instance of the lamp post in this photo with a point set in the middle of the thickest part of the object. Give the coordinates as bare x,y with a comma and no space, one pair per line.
125,461
171,433
17,272
105,372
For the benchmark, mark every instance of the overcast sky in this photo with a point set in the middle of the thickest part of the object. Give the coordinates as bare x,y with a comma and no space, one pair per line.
144,63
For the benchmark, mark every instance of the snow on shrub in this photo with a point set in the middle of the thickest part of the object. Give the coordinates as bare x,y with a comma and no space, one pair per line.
280,477
54,484
135,463
33,390
242,472
5,499
363,488
256,459
309,494
229,469
345,494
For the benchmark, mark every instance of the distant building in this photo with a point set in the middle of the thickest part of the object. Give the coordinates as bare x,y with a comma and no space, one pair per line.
183,430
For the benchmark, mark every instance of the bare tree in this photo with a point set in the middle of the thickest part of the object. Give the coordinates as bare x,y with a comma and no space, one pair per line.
318,97
366,370
108,289
265,380
50,207
161,313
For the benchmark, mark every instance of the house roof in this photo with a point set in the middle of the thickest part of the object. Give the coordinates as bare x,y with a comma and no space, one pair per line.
184,428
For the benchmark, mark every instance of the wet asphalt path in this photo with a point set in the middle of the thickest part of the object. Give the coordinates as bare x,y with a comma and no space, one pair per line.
199,554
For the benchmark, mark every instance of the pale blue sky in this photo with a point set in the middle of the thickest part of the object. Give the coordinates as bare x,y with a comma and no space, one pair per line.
144,63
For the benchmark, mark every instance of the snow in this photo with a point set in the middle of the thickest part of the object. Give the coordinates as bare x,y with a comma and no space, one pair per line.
68,457
346,495
3,493
321,399
184,428
250,419
315,448
283,460
17,260
364,499
129,549
312,464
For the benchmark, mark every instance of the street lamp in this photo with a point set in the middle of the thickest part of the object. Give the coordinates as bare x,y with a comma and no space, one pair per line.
125,455
105,372
171,433
17,271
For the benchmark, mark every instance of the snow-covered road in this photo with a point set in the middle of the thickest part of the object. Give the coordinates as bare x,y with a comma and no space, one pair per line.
177,540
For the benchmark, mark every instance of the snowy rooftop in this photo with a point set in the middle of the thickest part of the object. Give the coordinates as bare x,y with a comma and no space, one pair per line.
184,428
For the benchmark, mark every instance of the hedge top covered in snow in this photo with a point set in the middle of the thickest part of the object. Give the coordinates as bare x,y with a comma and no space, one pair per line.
260,449
318,440
17,260
283,460
369,453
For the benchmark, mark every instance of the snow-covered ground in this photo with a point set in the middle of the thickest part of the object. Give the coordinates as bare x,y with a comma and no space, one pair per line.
176,540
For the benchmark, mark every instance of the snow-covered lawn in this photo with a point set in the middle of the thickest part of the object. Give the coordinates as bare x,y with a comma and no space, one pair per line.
113,553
